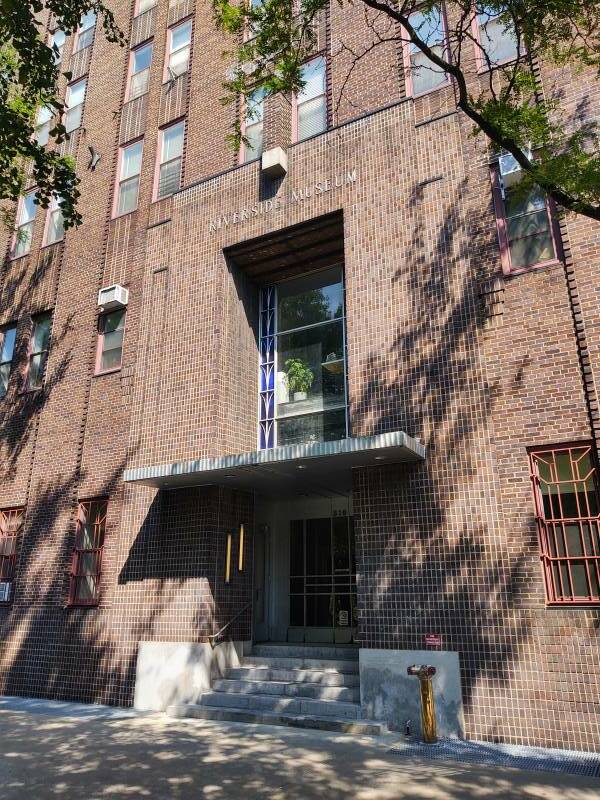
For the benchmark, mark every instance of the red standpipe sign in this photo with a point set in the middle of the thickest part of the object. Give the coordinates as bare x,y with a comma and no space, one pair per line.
433,640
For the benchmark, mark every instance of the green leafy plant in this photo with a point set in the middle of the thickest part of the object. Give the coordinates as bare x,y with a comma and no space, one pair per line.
505,101
28,81
299,376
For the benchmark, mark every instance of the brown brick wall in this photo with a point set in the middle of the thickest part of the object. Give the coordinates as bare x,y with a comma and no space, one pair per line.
478,367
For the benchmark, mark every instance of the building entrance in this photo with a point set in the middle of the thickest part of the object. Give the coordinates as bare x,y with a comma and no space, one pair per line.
305,571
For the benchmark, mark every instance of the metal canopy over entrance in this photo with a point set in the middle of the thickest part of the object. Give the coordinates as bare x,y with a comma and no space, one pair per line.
308,467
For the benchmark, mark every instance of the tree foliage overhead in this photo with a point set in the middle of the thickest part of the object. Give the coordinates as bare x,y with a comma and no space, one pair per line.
28,82
503,98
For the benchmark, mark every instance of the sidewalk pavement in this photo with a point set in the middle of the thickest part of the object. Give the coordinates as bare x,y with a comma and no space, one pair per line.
66,750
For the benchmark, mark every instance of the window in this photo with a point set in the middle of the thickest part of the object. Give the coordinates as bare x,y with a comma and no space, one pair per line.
85,32
303,379
178,46
38,350
111,328
55,227
423,76
144,5
139,71
74,100
57,42
565,482
311,102
11,523
253,127
130,164
25,221
169,170
43,124
526,225
87,553
496,38
8,335
252,27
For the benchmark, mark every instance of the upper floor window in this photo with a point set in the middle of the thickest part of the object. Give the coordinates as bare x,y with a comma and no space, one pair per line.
139,71
38,350
85,33
11,523
526,224
130,165
26,210
171,151
43,124
423,76
86,563
144,5
55,225
8,336
305,400
311,102
111,329
252,128
57,43
567,509
179,38
497,38
74,100
252,27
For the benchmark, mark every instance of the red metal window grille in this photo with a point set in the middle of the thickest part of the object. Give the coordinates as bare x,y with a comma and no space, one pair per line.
567,507
87,553
11,522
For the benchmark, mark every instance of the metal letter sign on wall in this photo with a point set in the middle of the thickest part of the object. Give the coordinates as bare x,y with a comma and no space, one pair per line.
267,368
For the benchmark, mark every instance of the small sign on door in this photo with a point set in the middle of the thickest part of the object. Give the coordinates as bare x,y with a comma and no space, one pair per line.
342,617
433,640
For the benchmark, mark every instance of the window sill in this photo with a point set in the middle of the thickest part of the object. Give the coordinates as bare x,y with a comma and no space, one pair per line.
124,214
21,255
133,99
107,372
514,273
95,604
23,392
576,604
51,244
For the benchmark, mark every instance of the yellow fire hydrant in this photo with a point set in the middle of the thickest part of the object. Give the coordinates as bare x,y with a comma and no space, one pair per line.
425,672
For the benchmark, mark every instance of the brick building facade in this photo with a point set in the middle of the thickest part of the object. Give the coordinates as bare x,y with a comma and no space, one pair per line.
481,363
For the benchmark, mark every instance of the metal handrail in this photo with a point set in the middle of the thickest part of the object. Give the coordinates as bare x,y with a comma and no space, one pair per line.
213,636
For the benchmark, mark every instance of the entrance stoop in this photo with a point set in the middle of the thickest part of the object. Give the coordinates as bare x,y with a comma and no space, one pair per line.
298,685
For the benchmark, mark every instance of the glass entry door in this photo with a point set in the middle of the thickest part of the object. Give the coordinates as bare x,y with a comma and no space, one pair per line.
322,580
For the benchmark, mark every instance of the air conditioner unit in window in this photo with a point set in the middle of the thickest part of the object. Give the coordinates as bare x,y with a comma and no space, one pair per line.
4,591
510,169
112,297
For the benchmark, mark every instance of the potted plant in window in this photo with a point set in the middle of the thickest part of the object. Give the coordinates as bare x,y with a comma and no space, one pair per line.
299,378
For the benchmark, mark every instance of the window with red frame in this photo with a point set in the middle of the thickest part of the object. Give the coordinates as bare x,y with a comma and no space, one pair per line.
87,554
11,523
111,329
311,102
423,76
567,508
527,228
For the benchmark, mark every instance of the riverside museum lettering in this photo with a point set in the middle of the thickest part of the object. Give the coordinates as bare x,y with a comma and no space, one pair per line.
294,196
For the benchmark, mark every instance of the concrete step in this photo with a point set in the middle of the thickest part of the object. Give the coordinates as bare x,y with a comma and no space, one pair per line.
321,664
344,652
313,676
286,705
326,723
349,694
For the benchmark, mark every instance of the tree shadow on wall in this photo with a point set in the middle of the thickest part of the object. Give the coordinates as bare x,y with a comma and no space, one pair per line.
439,562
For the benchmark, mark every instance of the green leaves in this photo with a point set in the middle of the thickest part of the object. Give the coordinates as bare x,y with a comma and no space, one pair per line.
28,78
505,100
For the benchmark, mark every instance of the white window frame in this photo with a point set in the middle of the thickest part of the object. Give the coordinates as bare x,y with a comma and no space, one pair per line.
22,241
130,178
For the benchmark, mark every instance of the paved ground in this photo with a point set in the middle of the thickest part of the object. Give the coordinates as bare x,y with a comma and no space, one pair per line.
77,752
